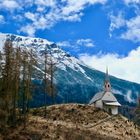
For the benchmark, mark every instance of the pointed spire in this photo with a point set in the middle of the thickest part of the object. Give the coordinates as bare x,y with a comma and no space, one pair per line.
107,81
107,75
106,69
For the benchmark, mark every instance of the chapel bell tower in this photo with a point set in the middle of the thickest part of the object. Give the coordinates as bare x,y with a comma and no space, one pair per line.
107,84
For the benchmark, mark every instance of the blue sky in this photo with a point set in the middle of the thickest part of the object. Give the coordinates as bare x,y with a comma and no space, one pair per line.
99,32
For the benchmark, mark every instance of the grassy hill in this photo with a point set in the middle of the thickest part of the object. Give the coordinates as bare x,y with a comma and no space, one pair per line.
74,122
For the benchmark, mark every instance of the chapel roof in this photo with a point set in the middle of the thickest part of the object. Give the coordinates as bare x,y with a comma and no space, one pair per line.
106,97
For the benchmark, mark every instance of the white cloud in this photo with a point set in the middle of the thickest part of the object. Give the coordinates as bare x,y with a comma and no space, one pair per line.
64,10
44,14
64,44
85,42
116,22
18,18
47,3
73,18
133,30
2,20
74,8
29,29
30,16
77,43
9,4
130,24
39,22
131,1
127,68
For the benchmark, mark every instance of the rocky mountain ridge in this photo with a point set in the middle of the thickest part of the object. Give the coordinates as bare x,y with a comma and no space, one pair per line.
75,82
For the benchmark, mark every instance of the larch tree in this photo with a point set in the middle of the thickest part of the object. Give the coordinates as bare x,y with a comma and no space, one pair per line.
24,86
7,79
16,86
48,77
45,81
28,61
52,59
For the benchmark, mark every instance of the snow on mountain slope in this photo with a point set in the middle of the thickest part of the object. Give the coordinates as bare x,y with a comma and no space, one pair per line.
75,81
2,40
38,45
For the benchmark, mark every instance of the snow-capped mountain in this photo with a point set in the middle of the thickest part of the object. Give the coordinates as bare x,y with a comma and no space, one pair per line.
75,81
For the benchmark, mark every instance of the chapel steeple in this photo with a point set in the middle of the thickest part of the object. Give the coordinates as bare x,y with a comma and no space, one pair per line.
107,84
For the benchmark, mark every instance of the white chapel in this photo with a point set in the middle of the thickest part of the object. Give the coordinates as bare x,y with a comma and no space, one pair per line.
106,99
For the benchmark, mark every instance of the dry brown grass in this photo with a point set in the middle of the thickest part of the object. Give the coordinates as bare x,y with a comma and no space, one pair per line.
69,122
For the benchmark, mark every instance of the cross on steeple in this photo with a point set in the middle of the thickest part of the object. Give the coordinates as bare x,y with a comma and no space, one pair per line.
107,84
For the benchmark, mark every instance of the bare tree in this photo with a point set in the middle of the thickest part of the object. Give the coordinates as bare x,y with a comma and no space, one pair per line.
27,72
48,80
0,70
7,79
16,80
52,59
16,71
45,81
